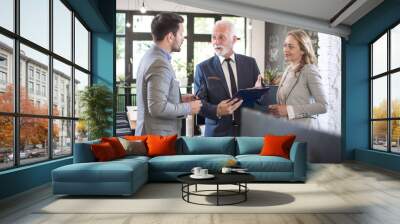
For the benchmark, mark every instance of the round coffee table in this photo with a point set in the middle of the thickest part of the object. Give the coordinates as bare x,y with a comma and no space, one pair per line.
238,179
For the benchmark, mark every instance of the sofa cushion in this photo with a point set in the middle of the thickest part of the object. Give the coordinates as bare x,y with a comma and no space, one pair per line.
103,152
112,171
275,145
116,145
206,145
135,138
185,163
161,145
257,163
136,147
249,145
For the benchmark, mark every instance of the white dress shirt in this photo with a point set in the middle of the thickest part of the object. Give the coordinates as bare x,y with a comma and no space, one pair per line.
224,65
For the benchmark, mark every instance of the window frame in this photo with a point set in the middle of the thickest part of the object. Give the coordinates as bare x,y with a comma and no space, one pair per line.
191,37
16,114
388,74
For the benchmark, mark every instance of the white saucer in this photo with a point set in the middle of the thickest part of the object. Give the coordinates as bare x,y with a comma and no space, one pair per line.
208,176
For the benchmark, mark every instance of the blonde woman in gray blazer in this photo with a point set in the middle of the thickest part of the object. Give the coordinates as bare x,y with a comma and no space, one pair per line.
300,94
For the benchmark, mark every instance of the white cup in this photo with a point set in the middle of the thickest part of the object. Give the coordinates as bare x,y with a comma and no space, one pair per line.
226,170
196,170
203,172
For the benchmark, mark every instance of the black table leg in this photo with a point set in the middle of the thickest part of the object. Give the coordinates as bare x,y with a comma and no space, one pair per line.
245,193
217,194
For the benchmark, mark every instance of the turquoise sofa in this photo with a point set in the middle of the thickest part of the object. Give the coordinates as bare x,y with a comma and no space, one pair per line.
125,176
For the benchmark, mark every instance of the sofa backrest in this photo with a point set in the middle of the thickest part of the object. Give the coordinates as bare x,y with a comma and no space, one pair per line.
206,145
249,145
83,153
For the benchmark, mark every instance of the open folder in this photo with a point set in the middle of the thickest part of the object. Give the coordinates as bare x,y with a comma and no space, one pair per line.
250,95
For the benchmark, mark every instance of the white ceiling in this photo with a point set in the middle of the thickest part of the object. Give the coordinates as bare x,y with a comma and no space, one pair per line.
320,9
313,15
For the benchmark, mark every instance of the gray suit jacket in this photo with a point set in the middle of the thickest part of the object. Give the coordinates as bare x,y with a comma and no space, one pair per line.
158,97
303,91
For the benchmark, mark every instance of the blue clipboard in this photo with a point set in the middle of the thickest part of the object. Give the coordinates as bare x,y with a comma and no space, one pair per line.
250,95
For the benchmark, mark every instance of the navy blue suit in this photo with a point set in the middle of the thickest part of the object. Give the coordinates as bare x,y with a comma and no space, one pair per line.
211,87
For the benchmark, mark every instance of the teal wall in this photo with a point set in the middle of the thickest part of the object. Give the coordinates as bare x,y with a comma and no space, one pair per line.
356,92
103,52
99,15
24,178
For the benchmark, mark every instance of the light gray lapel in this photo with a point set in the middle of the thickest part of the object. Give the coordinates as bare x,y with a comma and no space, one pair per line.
292,81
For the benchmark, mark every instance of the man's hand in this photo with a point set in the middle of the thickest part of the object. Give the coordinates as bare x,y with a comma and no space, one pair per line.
195,106
227,107
278,110
186,98
259,81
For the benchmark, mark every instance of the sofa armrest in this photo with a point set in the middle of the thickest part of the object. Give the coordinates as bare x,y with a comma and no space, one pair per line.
298,155
83,152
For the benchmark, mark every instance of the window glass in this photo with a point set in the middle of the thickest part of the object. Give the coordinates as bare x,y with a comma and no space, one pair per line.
6,142
7,14
202,51
34,21
120,59
62,89
120,23
184,25
379,135
139,48
62,141
395,136
6,74
179,63
81,131
142,23
379,98
395,95
81,82
81,45
379,56
33,139
62,29
395,47
31,58
203,25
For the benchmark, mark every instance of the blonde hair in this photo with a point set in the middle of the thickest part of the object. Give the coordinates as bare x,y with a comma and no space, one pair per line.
306,46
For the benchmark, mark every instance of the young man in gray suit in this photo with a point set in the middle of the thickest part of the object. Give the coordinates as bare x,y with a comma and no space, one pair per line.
160,104
218,79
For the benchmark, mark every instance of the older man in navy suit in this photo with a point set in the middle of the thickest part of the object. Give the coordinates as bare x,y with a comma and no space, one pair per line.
218,79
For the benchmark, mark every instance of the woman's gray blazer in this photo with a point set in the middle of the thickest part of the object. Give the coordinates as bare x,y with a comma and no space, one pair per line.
304,92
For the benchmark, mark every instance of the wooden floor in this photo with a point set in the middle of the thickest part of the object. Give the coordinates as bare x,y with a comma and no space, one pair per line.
377,188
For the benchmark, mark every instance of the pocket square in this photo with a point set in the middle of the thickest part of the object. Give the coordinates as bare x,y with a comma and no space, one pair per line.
213,78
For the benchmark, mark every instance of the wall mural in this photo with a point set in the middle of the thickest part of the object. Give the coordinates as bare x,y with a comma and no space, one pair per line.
328,51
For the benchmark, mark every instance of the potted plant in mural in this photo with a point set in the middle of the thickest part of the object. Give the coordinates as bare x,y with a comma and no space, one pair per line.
271,77
96,102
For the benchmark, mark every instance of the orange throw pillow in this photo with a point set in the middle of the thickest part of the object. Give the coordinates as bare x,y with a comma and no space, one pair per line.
116,145
161,145
103,152
136,138
277,145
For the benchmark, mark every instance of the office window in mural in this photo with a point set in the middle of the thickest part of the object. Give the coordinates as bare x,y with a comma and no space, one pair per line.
385,96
